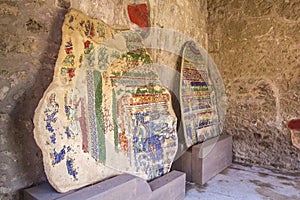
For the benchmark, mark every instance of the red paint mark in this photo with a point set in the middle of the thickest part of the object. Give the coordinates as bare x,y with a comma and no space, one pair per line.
84,134
92,31
294,124
138,14
87,44
82,123
68,50
71,72
68,47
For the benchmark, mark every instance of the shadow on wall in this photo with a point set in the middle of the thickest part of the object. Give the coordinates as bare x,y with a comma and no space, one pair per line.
27,169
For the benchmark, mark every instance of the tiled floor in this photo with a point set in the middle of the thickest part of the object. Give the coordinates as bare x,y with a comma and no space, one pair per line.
247,183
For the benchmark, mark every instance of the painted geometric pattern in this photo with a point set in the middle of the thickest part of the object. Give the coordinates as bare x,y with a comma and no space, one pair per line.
198,102
105,112
132,124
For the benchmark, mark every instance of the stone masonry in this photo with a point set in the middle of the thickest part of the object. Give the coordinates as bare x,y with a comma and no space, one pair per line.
256,45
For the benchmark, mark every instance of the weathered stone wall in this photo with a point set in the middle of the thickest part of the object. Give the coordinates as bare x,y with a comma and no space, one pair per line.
256,45
29,44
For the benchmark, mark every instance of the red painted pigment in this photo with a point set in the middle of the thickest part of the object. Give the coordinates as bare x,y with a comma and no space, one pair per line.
138,14
294,124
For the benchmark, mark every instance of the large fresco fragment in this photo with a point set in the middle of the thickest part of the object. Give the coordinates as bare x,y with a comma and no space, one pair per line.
197,97
105,112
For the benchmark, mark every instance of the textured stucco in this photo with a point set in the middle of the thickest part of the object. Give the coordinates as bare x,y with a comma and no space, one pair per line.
30,38
256,45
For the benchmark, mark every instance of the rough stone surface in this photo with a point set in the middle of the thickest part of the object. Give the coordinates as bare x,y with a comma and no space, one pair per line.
256,46
28,47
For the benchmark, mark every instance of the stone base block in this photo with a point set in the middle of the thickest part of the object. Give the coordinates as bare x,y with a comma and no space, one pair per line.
125,187
203,161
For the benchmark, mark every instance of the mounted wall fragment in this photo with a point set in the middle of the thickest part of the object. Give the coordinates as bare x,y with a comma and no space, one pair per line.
197,97
102,115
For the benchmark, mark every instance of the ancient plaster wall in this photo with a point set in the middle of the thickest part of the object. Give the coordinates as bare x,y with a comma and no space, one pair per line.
29,43
256,45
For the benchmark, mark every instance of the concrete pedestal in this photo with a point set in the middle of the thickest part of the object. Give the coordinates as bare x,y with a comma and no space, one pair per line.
203,161
126,187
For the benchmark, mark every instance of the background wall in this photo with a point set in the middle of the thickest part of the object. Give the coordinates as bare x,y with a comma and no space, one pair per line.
256,47
29,42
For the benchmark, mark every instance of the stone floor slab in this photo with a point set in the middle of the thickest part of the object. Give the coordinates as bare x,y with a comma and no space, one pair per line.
248,183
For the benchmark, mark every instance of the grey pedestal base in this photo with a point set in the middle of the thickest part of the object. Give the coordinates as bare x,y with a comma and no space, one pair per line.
123,187
204,161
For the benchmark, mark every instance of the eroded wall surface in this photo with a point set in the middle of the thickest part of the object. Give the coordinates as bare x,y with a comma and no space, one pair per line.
29,44
256,45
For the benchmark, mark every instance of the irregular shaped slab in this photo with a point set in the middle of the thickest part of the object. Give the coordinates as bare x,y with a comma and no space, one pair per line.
61,117
100,117
197,97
